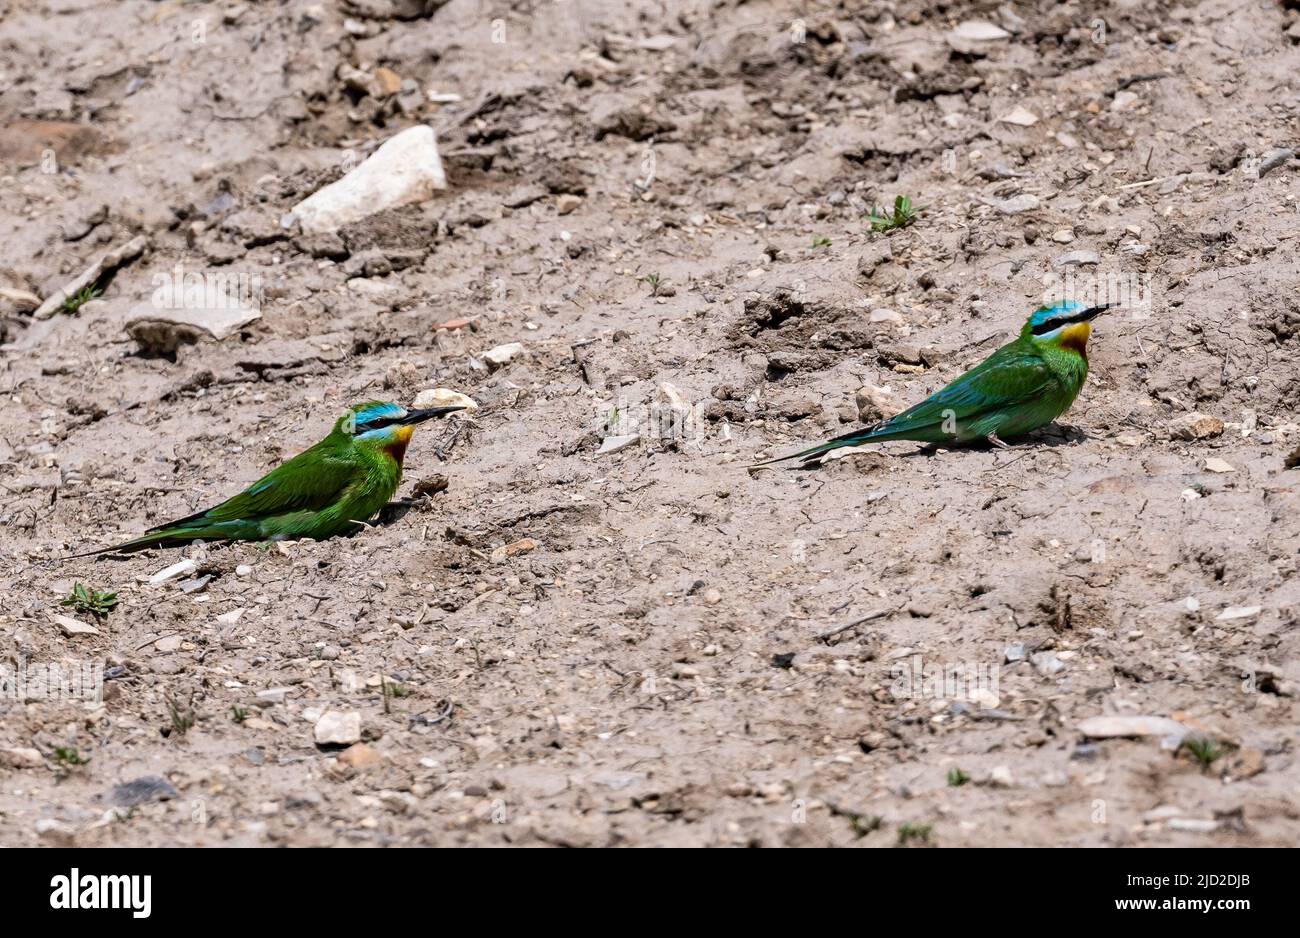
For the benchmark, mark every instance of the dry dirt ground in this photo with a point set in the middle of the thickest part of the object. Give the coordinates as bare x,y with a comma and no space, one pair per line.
646,193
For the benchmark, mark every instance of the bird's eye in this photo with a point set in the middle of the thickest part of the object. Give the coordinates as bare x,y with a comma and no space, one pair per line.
377,422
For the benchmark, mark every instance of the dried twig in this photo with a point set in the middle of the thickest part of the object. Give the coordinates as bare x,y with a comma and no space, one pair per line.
879,613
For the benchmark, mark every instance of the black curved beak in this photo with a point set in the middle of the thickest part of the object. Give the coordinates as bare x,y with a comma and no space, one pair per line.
420,416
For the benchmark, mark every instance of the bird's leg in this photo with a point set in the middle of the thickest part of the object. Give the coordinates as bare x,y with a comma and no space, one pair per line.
993,438
443,449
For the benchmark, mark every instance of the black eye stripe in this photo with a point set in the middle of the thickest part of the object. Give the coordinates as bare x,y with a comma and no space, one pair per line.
377,422
1059,321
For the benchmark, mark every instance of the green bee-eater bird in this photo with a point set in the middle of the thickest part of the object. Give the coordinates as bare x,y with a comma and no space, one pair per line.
1024,385
323,491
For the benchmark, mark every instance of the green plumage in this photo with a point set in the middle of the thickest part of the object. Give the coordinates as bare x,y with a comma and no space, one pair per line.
1024,385
324,491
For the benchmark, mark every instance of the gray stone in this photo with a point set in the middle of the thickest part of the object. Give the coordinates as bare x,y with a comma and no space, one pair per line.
1273,159
142,790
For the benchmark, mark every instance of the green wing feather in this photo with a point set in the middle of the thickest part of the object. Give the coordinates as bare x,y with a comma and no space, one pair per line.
1009,378
977,403
311,481
308,482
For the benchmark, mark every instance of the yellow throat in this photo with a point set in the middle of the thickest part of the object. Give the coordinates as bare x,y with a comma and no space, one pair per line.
1075,338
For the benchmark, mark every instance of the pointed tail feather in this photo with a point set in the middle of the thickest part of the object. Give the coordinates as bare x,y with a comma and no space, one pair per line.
178,537
807,455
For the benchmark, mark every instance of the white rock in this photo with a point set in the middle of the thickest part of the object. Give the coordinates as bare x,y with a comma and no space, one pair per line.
503,354
975,36
1123,101
406,169
367,287
1046,663
1020,117
338,728
1239,612
1192,825
673,397
844,452
980,29
984,698
660,43
1014,205
1214,464
612,444
1000,776
886,315
20,758
443,397
180,568
1107,727
72,627
1079,259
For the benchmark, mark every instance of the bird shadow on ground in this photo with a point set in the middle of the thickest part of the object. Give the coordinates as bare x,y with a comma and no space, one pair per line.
395,511
1052,435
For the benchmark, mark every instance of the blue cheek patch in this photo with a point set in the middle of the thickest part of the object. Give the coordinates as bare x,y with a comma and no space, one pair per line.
380,434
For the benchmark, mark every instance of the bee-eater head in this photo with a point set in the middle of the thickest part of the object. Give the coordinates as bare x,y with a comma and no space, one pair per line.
1064,324
385,425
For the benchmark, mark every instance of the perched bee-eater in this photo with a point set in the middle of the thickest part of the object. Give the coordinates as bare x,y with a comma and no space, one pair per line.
1024,385
323,491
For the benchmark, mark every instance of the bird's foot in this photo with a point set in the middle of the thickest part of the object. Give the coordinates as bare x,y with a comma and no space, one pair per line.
993,438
